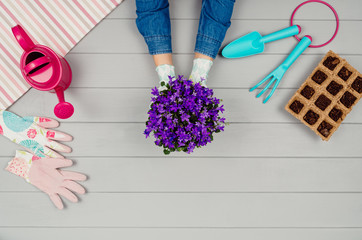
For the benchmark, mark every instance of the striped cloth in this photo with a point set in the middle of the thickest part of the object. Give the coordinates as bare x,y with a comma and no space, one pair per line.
59,24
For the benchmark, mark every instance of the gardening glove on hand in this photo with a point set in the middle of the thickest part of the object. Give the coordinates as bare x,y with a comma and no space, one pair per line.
200,70
165,71
44,174
34,134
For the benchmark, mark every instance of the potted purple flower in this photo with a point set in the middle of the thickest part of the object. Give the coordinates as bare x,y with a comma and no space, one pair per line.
183,115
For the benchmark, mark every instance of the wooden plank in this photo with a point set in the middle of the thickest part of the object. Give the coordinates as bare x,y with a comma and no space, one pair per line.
114,70
209,175
180,234
121,36
238,140
207,195
251,9
97,105
185,210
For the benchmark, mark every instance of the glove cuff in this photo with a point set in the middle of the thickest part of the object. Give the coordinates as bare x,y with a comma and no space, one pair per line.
20,165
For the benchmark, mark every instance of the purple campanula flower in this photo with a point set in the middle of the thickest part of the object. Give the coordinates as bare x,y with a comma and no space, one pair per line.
183,116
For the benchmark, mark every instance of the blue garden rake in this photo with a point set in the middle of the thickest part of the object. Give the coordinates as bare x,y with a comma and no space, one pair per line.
277,75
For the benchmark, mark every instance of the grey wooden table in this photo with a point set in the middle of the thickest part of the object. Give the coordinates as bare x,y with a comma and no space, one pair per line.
266,177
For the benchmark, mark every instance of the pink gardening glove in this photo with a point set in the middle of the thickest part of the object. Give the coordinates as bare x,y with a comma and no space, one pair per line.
44,174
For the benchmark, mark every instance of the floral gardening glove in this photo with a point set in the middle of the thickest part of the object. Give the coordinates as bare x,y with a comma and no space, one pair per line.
200,70
33,133
44,174
165,71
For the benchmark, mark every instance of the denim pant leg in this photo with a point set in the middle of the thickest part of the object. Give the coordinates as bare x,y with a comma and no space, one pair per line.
153,22
214,22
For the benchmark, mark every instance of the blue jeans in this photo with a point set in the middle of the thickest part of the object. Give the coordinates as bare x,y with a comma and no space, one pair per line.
153,22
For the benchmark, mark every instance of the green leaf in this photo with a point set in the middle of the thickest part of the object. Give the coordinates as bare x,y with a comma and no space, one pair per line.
162,84
166,152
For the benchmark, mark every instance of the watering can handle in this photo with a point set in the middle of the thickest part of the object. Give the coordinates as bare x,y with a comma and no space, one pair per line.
297,51
36,63
284,33
23,38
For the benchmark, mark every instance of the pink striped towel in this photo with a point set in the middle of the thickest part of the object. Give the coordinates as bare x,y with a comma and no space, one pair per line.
59,24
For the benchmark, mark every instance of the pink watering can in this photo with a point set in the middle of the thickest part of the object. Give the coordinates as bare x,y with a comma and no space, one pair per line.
45,70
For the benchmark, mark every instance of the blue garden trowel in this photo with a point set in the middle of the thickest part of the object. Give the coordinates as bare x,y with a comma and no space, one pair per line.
253,43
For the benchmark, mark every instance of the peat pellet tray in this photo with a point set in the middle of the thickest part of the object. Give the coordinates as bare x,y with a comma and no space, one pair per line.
327,95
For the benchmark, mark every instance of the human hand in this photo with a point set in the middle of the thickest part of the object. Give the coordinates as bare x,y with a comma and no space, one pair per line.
165,73
200,70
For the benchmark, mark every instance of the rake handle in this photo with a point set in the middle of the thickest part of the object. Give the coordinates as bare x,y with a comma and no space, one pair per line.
297,51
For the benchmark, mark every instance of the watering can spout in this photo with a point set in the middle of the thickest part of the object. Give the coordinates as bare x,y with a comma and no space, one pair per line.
23,38
63,109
